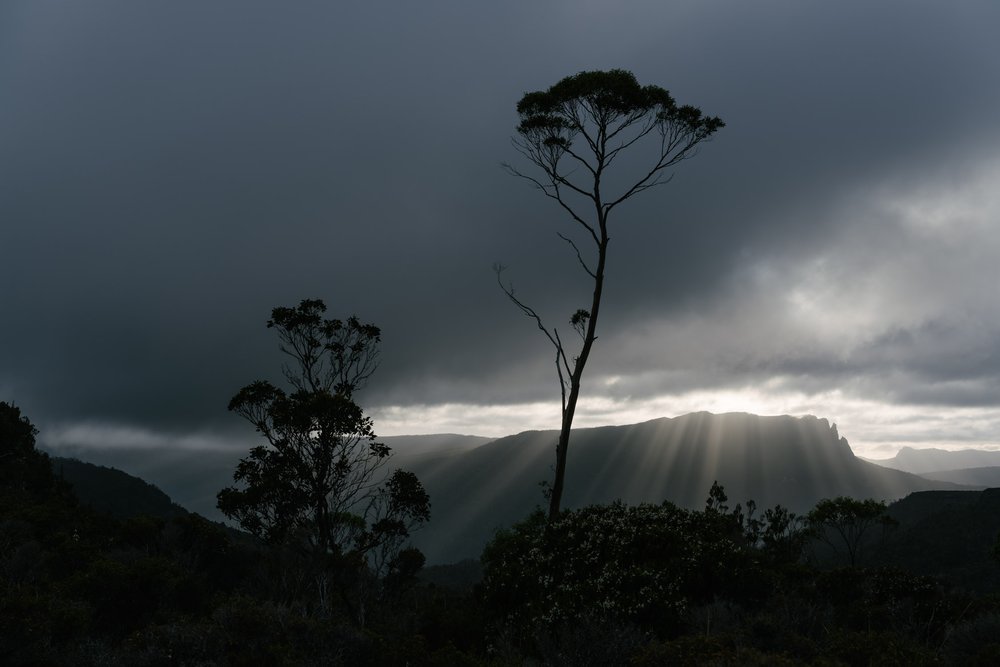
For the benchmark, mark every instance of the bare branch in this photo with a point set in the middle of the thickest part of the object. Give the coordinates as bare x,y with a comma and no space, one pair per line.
552,191
527,310
612,154
579,257
561,363
580,159
553,336
666,160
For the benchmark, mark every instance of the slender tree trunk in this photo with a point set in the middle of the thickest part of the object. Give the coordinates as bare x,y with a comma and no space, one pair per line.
555,498
569,410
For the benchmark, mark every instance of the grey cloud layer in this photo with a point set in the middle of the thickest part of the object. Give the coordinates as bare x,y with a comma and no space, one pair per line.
170,174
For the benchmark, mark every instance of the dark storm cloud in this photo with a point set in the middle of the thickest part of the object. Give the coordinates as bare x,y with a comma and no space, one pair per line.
169,173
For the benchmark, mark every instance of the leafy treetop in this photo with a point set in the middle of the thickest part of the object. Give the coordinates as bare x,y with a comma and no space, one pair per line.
331,355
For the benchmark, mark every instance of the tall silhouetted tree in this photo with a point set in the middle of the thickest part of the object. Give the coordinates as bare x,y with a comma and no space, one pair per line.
320,480
573,133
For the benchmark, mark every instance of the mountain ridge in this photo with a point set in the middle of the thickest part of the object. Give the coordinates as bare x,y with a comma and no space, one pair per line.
921,461
112,491
983,477
478,485
792,461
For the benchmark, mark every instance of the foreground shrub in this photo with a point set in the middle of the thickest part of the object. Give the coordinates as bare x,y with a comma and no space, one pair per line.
636,565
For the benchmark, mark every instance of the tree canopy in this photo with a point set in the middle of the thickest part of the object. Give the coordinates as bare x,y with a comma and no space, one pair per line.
321,481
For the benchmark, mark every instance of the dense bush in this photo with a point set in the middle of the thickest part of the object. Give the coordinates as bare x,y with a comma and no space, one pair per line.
641,565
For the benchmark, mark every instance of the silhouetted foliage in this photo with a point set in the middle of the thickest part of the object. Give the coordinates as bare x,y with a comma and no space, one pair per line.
23,469
777,534
619,569
573,133
842,523
320,483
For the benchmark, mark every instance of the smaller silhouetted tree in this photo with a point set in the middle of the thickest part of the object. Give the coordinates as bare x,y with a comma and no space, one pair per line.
320,483
776,534
843,523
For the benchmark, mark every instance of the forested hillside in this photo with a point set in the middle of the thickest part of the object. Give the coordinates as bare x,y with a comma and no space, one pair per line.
114,492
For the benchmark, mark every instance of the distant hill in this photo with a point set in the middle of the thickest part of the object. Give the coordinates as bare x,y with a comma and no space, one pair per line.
947,534
772,460
981,477
192,478
114,492
922,461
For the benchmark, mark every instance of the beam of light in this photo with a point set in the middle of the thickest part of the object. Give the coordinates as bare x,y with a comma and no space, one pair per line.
615,459
471,492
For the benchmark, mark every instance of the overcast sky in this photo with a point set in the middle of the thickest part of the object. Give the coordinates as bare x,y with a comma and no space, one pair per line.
171,171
